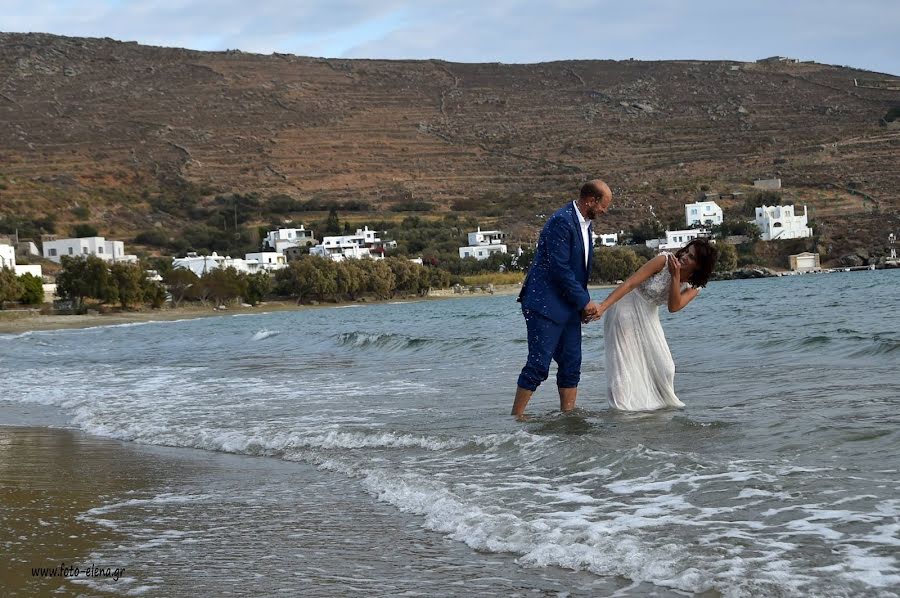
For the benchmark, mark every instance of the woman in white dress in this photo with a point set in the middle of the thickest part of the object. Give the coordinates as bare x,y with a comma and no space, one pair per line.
640,372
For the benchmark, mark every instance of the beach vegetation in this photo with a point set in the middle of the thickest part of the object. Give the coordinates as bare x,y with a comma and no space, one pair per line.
615,263
10,287
728,257
128,282
495,278
179,281
221,285
259,285
31,289
313,278
85,278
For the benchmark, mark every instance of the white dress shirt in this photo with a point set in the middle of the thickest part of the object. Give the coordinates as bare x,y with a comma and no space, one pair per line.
585,235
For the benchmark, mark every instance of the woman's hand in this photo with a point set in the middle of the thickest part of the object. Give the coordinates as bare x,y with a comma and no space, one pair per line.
675,267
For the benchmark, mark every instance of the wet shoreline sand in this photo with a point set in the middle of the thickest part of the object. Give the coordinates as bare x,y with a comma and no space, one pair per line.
187,522
48,479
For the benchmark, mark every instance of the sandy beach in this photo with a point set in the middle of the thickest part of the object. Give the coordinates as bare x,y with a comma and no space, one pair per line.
48,478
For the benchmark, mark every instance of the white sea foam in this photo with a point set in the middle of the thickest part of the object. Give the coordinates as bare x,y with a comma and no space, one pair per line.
606,547
160,499
264,334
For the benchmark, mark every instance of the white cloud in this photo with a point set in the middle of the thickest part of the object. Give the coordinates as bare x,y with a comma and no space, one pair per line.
864,33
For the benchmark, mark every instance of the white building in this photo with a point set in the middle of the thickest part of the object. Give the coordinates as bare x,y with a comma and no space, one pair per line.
805,262
483,244
780,222
359,245
8,260
201,264
268,260
113,251
281,239
676,239
605,239
702,212
7,256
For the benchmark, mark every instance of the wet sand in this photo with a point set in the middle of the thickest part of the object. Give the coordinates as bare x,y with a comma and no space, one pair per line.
48,478
184,522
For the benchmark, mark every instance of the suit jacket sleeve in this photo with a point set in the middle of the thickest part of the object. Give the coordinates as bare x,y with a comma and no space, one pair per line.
560,243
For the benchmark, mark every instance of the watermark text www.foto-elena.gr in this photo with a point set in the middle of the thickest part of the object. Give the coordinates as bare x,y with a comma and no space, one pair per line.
74,571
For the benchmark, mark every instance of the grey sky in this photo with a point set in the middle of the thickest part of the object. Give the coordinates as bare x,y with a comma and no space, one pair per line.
859,33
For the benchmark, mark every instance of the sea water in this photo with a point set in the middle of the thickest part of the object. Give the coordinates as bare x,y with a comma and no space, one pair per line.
385,460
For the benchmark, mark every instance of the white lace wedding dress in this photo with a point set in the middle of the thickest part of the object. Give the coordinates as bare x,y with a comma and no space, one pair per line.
640,372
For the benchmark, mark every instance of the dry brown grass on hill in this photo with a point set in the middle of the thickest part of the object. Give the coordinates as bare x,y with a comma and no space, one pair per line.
96,123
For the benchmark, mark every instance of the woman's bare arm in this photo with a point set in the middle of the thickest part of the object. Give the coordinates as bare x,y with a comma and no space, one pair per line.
678,299
652,267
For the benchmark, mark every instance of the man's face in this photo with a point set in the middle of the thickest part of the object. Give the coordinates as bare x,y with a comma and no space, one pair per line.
599,205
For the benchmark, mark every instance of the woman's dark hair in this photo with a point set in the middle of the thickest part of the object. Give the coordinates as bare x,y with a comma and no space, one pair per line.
706,254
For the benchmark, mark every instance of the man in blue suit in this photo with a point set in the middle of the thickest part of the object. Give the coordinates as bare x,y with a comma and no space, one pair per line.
555,298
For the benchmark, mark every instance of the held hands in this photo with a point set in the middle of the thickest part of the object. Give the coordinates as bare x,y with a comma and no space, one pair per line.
592,311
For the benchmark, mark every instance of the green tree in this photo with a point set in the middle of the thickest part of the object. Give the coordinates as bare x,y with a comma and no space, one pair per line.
154,293
32,292
379,278
615,263
333,224
10,287
85,277
84,230
303,278
728,258
259,285
129,282
180,281
406,275
349,278
223,285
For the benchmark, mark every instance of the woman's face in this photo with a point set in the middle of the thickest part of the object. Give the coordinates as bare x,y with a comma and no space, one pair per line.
688,259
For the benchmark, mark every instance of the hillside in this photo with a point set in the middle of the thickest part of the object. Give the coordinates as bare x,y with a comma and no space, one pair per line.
125,136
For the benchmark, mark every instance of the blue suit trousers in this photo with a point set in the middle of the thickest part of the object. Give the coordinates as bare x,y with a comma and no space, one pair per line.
549,340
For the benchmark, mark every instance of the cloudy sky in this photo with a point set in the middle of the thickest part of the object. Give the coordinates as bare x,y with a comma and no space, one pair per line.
859,33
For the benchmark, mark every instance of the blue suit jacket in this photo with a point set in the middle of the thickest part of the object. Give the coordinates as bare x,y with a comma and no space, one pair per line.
556,285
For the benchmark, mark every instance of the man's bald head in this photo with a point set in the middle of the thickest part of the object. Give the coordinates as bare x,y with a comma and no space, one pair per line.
596,188
595,198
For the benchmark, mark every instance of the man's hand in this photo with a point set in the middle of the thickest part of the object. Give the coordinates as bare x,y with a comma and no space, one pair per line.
592,311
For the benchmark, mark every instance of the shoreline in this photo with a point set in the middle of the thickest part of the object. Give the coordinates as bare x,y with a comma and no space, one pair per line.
21,321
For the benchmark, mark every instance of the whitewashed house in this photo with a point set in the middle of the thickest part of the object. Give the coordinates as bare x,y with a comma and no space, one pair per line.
483,244
8,260
7,256
605,239
281,239
780,222
364,244
707,213
268,260
676,239
111,251
201,264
